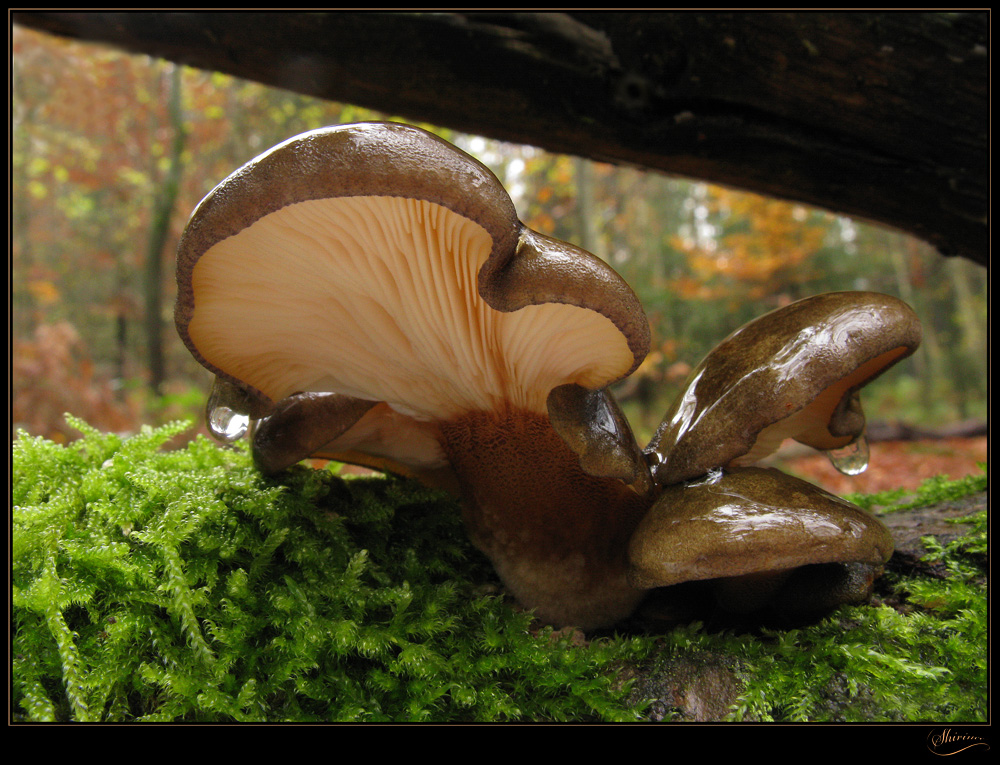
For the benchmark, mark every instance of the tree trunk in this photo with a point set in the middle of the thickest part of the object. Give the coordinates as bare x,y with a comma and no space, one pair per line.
163,205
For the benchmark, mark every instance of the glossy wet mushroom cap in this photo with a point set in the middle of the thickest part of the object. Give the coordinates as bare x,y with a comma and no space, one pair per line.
792,373
336,427
749,529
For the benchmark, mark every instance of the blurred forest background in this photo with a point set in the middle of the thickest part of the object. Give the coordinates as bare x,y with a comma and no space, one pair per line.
111,153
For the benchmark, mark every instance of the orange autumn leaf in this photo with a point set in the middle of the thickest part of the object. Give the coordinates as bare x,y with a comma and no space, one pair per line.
44,291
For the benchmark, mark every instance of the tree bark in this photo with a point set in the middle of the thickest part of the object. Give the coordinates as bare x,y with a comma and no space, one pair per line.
883,116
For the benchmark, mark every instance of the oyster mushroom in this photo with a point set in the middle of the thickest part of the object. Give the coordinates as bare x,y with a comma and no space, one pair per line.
761,537
792,373
367,293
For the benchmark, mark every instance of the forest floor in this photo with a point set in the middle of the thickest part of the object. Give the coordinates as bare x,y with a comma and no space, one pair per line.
894,465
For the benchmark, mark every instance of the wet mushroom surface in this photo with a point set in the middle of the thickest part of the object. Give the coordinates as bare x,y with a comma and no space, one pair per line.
752,532
792,373
365,293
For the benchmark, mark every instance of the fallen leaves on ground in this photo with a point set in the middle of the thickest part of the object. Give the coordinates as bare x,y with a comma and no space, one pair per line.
896,464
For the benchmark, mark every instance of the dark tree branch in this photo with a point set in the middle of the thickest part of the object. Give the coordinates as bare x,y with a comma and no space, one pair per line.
878,115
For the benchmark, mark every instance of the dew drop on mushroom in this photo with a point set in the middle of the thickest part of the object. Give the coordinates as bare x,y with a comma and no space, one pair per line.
851,459
225,423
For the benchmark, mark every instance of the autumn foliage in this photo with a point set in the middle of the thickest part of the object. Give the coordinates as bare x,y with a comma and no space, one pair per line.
763,243
54,374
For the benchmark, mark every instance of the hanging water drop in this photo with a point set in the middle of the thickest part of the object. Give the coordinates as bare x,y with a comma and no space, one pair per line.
655,461
225,423
851,459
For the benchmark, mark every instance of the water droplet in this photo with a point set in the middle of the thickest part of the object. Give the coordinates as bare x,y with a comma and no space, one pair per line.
654,461
713,476
225,422
851,459
227,425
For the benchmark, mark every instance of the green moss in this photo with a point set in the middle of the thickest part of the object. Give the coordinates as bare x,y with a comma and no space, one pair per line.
182,585
933,490
919,655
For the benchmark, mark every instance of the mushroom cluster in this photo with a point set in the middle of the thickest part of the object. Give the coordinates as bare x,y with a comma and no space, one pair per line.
366,293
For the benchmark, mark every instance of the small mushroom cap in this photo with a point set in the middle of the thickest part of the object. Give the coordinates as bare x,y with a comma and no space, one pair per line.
749,521
382,264
592,425
792,373
336,427
301,424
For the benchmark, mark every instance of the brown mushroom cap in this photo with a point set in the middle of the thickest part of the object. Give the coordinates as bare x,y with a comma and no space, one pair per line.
595,428
792,373
750,526
336,427
380,263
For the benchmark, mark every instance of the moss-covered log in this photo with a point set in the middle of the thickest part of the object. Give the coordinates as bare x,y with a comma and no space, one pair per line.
152,585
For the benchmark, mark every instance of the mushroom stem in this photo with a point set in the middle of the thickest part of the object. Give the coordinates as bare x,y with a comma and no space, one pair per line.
557,536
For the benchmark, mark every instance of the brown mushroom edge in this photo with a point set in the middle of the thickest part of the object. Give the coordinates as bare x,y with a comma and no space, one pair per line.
758,538
795,373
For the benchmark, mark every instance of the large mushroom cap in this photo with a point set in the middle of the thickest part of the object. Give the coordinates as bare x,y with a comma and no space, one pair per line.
792,373
382,264
751,527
